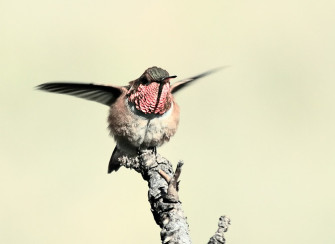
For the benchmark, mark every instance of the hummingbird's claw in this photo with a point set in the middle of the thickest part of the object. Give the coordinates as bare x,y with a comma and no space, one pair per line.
154,150
139,152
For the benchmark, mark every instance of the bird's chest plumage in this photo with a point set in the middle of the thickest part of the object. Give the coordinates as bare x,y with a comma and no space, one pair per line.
132,129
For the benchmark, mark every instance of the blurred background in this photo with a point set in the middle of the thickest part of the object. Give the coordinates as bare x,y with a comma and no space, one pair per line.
257,138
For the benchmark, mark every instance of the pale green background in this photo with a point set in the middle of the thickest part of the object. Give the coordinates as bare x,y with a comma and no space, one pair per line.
257,139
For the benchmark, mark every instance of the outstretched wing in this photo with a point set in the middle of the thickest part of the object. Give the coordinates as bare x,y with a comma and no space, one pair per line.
99,93
180,84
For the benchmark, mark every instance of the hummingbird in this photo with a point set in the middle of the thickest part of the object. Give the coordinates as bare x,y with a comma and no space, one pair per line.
142,115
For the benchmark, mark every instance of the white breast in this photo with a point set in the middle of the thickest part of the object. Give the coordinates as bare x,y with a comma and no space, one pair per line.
152,131
132,129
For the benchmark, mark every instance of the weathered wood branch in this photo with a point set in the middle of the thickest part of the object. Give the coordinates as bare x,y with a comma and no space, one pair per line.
163,196
218,237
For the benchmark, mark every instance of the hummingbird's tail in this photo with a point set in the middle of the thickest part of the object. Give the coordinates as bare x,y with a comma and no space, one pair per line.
114,163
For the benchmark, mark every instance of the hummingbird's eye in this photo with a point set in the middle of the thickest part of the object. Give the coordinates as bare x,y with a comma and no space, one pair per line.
144,80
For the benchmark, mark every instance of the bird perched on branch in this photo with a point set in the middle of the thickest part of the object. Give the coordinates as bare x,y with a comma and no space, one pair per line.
142,115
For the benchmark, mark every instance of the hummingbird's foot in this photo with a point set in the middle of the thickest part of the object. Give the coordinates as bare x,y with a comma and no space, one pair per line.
146,157
141,151
154,150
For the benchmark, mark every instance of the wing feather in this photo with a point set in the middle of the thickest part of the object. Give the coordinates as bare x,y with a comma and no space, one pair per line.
185,82
99,93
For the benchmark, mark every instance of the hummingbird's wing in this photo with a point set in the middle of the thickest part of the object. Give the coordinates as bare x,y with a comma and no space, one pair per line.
180,84
99,93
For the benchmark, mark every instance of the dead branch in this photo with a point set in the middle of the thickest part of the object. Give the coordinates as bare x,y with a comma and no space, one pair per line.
163,196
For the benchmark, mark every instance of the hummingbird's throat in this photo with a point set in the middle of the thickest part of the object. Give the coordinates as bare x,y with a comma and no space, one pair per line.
152,99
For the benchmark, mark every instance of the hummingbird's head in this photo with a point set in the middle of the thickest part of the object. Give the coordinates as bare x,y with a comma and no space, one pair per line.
150,93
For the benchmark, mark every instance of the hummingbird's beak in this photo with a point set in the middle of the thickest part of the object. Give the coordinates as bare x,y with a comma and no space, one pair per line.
162,83
169,77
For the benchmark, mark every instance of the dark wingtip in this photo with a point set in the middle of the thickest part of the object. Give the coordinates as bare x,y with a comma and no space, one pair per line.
53,86
39,87
211,71
180,84
44,86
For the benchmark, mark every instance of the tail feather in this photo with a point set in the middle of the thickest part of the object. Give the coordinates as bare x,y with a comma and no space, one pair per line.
114,163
